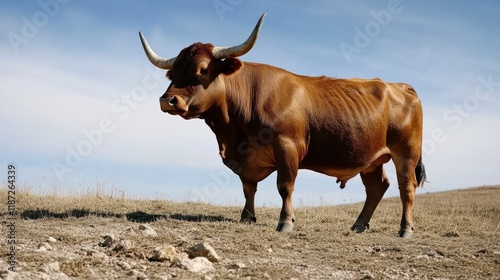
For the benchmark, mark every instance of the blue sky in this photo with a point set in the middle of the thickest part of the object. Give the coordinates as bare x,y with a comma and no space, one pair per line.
79,100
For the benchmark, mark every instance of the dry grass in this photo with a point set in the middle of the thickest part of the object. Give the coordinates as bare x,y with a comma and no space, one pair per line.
457,235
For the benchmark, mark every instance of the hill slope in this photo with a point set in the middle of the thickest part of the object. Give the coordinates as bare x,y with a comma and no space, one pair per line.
457,235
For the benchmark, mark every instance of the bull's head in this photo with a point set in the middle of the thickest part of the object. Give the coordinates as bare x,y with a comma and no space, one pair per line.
195,74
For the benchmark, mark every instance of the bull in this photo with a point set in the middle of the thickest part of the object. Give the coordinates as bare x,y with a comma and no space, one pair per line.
267,119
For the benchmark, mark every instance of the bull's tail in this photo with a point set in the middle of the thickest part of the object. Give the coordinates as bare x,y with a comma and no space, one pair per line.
420,173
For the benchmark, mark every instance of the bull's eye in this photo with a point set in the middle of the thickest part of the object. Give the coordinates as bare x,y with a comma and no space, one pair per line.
203,71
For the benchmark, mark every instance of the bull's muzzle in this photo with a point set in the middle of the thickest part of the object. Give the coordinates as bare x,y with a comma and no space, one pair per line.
173,104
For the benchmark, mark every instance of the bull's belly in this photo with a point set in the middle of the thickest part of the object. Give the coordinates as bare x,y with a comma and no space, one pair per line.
348,170
261,163
341,174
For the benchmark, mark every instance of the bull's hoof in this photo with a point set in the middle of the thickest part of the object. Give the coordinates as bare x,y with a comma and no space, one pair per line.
405,233
248,220
247,217
284,227
360,228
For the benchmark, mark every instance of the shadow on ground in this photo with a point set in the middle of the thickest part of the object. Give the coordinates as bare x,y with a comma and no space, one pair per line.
137,216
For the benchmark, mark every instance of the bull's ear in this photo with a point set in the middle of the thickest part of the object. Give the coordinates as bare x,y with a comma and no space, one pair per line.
230,65
170,75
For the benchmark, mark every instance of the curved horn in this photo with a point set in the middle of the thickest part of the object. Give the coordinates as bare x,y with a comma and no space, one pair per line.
223,52
158,61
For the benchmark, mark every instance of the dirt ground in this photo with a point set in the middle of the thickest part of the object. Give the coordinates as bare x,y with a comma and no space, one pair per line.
457,236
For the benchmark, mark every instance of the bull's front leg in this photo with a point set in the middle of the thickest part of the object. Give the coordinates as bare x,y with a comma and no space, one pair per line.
287,164
248,213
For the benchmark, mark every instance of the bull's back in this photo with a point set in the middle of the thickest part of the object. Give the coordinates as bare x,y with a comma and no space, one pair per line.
352,122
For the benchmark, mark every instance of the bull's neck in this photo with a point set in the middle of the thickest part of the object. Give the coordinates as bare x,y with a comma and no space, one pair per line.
241,90
237,103
231,120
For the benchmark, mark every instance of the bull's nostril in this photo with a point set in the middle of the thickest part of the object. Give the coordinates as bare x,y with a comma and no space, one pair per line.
172,101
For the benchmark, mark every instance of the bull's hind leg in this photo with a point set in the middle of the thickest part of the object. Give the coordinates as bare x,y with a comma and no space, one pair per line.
376,183
248,214
407,181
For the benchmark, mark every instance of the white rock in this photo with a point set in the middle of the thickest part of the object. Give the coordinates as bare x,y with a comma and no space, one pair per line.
147,230
240,265
123,245
44,246
97,254
7,275
51,267
198,265
51,239
59,276
431,253
425,257
138,275
123,265
163,253
136,265
204,250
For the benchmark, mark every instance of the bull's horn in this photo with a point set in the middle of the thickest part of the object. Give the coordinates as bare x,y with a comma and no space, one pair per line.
158,61
223,52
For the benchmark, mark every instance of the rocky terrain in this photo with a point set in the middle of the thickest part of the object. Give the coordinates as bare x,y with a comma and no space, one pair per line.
457,236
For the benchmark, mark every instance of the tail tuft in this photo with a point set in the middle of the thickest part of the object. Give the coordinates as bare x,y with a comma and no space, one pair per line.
420,173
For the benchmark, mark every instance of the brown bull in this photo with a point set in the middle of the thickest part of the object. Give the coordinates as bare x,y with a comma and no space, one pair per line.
267,119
